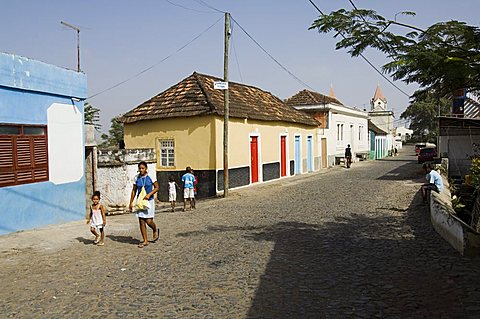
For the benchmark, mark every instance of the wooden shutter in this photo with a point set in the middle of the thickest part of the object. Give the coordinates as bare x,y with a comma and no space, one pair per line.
40,158
23,158
7,167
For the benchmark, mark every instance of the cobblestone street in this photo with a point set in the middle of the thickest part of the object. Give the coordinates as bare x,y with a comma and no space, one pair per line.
338,243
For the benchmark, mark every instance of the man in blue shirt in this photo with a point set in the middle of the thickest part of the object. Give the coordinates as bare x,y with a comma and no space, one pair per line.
434,179
188,180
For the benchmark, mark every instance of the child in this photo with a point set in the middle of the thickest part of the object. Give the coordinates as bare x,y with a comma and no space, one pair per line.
97,219
172,191
188,181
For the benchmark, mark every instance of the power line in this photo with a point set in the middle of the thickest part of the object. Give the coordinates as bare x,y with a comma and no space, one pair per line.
186,8
236,57
364,58
271,57
154,65
209,6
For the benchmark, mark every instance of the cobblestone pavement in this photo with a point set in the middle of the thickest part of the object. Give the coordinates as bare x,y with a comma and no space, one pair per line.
341,243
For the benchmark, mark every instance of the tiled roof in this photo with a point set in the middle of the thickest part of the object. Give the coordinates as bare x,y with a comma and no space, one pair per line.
195,96
306,97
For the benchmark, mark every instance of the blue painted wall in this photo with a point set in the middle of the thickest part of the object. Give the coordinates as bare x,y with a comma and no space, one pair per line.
27,89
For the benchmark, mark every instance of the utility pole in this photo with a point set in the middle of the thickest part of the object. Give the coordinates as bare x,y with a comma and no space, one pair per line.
226,101
78,41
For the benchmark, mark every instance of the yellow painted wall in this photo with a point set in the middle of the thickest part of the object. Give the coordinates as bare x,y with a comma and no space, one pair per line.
193,138
199,140
269,137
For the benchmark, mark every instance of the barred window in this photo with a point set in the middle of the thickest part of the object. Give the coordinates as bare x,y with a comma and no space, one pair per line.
167,153
23,154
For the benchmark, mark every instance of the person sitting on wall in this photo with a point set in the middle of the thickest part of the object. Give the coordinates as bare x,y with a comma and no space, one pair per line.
434,179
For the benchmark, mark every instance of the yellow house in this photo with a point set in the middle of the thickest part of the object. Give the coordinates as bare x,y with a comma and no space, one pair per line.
184,124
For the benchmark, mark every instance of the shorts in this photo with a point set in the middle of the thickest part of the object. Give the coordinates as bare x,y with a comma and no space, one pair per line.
97,227
172,197
149,212
188,193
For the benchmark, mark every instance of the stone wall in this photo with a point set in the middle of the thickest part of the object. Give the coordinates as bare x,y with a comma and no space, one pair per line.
115,173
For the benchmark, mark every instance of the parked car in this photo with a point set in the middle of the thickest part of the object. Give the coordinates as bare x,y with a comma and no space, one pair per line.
418,147
426,154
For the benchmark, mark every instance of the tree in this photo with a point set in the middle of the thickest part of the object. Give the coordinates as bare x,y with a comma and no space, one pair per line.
422,116
442,59
115,134
92,116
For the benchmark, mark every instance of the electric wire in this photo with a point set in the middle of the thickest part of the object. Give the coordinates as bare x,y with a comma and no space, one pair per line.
186,8
209,6
271,57
235,54
366,60
159,62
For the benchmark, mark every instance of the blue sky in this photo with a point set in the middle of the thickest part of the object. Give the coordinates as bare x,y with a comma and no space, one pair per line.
121,38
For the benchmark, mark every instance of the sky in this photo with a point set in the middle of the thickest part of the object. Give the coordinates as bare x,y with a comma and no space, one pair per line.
120,39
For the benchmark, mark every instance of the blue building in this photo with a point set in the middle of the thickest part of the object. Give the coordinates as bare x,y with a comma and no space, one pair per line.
42,179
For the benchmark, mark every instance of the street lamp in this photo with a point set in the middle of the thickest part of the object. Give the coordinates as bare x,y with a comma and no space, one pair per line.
78,41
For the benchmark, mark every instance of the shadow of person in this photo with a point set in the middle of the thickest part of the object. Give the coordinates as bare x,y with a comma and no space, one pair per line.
124,239
85,241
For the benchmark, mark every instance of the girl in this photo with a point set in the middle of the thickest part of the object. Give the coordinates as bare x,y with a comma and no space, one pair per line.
145,215
172,191
97,219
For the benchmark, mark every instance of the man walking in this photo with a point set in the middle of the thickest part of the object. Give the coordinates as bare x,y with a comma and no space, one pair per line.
348,156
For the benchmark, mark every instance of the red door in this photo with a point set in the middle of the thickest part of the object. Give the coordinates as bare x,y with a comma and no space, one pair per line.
283,156
254,158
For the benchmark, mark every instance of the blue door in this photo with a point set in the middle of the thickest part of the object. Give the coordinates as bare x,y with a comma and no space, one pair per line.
298,160
309,154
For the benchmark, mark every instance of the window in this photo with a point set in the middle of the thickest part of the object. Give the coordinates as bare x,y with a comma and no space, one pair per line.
167,153
23,154
339,133
360,133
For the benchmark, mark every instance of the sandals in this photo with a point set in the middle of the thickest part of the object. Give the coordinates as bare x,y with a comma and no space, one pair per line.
141,245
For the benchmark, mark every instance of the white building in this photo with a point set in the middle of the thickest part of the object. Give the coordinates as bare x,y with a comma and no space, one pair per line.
402,134
339,125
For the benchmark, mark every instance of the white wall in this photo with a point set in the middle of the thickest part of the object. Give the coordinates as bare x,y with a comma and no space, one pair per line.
349,137
65,143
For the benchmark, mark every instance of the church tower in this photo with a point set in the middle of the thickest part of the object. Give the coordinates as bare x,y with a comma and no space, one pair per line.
379,114
379,101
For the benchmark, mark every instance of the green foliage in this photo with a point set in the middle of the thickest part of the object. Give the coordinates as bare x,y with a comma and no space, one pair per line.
456,203
422,115
443,58
115,134
475,174
92,116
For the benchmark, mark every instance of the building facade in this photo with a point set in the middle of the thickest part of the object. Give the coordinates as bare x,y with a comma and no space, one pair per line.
339,125
42,178
382,118
184,125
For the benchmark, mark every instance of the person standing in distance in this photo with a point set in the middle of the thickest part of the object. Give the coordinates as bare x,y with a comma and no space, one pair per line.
348,156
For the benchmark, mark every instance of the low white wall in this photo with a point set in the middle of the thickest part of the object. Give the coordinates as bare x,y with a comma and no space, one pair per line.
444,220
115,174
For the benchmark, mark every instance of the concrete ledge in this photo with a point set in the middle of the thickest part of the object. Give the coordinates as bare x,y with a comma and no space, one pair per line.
461,236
